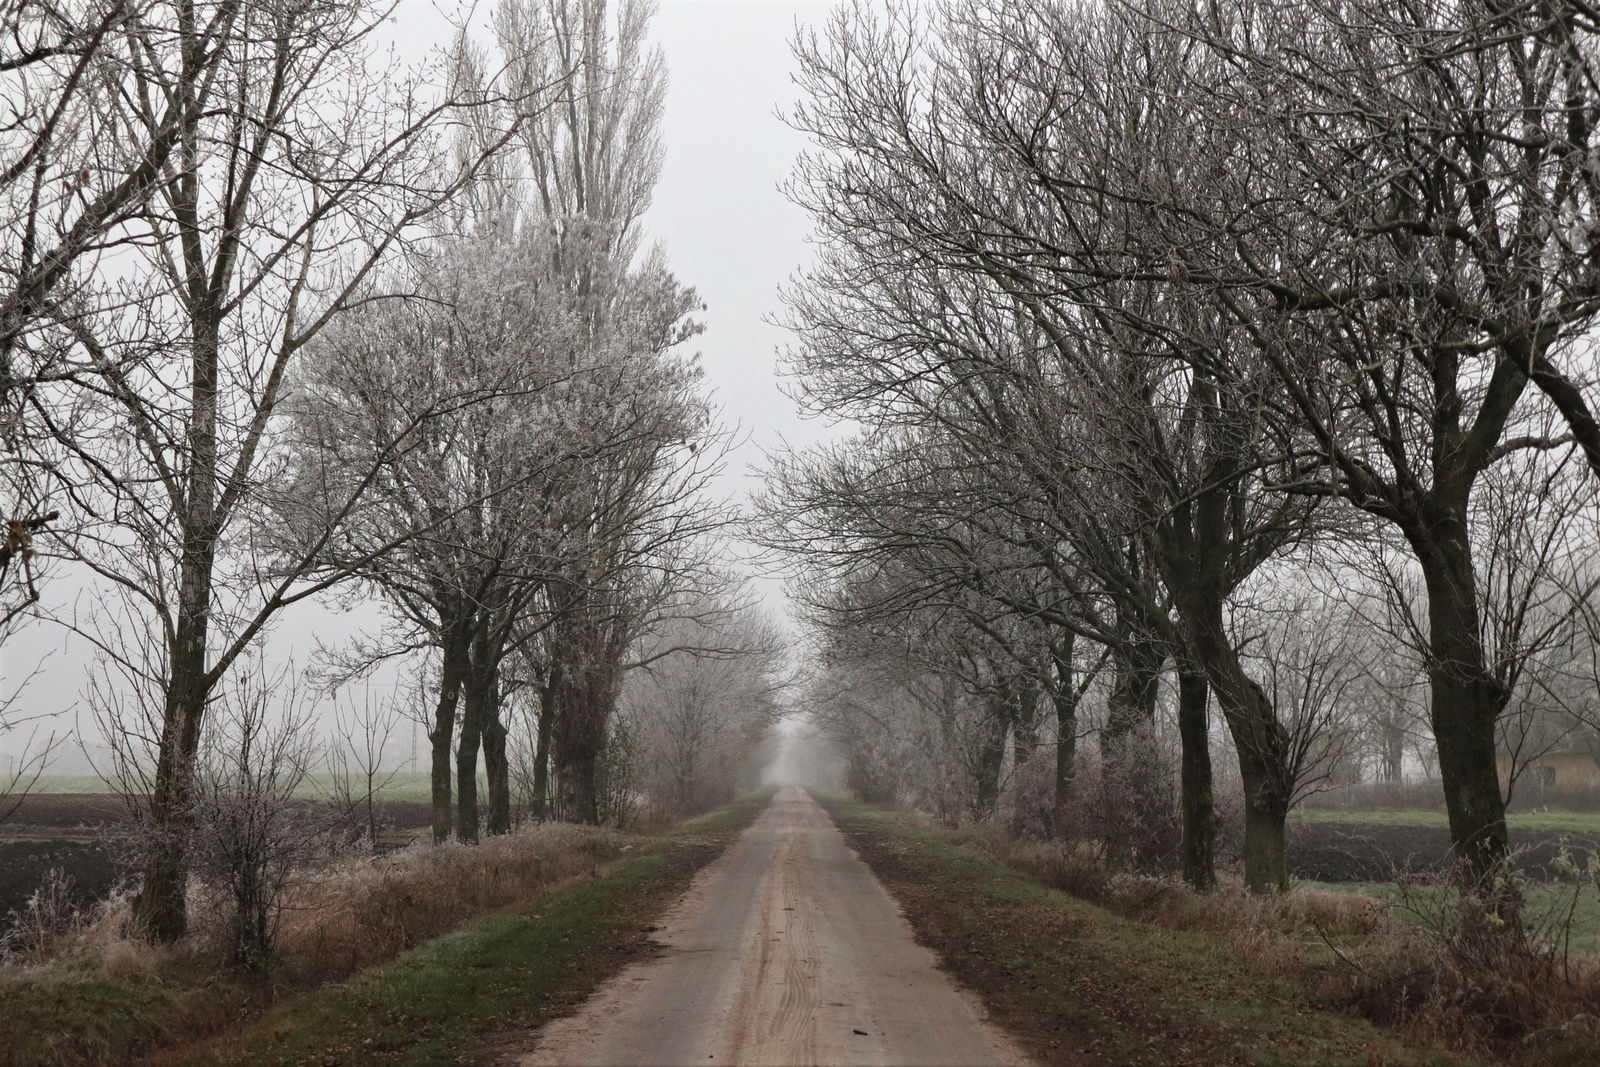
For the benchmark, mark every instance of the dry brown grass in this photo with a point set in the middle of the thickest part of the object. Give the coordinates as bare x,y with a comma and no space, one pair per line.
1445,967
367,910
353,911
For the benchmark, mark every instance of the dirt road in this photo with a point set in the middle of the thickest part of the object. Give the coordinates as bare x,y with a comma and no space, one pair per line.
785,951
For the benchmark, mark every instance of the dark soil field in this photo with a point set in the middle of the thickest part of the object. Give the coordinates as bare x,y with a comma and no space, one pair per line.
1364,852
75,832
81,834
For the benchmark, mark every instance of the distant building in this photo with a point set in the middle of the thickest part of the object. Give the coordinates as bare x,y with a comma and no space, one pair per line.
1573,764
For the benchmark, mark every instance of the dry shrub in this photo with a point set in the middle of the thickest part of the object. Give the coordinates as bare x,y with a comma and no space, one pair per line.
1268,951
1438,961
1325,912
1078,867
1458,970
46,922
135,961
367,909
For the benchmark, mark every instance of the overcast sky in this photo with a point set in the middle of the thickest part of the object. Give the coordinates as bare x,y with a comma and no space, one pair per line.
726,226
719,209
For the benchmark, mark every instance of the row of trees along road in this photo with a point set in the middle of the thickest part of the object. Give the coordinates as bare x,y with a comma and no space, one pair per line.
1156,317
282,317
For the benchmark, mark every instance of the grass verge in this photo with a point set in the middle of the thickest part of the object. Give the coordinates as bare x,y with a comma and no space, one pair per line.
1075,984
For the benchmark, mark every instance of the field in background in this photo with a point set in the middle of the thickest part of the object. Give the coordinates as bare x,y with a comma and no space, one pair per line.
1579,821
84,834
409,786
1542,901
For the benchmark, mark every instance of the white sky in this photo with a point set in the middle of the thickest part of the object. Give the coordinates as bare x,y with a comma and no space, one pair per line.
727,229
719,210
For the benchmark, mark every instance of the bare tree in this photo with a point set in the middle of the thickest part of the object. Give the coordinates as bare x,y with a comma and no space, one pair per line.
593,163
70,173
703,709
356,764
252,832
299,166
1389,219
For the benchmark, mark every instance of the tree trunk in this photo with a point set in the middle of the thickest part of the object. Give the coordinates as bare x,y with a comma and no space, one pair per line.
495,765
451,671
585,789
160,909
1259,738
1197,560
581,742
1064,695
1130,721
990,757
1025,726
541,751
1136,686
1199,816
1466,701
467,760
1394,752
585,699
1266,809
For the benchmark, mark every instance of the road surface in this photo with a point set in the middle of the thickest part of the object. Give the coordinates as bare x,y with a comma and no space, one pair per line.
786,950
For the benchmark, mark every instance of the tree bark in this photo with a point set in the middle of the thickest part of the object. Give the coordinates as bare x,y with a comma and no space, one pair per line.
1201,564
541,752
1198,858
1262,745
496,767
990,758
581,737
1266,863
1136,685
1064,697
467,760
160,908
1130,722
453,668
1466,700
585,699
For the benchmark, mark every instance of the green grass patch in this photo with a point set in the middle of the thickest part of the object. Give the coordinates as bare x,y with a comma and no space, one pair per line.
499,971
1576,821
74,1018
1072,981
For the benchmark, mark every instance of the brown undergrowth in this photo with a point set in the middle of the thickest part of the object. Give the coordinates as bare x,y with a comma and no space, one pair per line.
1433,959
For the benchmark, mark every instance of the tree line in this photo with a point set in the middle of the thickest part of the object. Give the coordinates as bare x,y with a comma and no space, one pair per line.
1244,344
285,317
